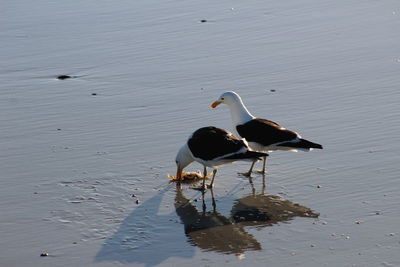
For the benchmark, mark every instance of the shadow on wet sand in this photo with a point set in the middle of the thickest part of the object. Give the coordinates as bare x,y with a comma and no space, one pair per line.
145,237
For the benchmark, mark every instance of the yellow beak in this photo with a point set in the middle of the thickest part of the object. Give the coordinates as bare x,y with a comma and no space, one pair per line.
179,174
215,104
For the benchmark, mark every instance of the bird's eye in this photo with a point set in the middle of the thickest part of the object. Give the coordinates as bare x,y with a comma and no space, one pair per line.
222,98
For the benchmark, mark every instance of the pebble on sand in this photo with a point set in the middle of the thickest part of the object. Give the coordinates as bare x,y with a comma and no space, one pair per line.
64,77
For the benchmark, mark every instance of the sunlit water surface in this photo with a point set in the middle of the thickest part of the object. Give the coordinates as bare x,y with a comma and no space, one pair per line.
84,161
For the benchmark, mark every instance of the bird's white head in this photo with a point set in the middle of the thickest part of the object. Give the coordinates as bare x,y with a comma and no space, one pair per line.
239,112
183,158
228,98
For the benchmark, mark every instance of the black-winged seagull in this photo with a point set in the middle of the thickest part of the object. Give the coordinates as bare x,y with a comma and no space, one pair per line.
261,134
212,147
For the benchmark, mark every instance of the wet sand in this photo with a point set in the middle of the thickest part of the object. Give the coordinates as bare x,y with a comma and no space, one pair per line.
84,160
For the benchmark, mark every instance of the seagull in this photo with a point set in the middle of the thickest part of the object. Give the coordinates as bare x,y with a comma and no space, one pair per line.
262,135
212,147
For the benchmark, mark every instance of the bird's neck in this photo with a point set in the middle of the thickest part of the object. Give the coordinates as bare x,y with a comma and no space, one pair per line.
185,156
239,113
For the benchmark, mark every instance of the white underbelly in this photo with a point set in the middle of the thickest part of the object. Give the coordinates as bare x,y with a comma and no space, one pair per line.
260,148
213,163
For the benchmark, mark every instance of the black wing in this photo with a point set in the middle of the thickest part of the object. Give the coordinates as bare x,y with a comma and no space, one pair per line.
264,132
211,142
302,143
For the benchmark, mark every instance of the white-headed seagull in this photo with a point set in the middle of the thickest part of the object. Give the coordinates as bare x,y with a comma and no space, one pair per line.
261,134
212,147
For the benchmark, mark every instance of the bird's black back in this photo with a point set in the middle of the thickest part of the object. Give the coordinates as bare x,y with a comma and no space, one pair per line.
264,132
210,142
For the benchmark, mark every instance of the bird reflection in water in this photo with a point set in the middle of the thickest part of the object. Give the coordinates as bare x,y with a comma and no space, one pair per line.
263,210
213,231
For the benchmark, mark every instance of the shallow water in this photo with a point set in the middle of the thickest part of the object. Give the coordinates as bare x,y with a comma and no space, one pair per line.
74,151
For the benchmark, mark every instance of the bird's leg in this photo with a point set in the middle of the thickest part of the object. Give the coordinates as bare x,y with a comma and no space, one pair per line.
248,174
204,178
264,165
212,180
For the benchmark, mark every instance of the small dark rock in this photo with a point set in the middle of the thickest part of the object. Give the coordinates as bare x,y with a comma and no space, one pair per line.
64,77
44,254
203,20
